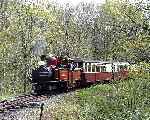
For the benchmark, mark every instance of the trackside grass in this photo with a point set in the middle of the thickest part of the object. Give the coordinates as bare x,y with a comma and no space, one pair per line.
120,100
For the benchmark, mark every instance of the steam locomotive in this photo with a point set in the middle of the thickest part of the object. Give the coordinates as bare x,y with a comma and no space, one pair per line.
64,74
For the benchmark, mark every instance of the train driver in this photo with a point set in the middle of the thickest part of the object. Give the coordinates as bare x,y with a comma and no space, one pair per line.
52,61
42,62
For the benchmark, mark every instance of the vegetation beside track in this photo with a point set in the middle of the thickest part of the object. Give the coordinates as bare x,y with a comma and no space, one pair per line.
120,100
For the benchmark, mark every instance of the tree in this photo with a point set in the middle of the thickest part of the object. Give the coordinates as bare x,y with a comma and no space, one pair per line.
127,29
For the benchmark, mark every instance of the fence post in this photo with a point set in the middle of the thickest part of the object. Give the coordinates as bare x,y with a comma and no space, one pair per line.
41,108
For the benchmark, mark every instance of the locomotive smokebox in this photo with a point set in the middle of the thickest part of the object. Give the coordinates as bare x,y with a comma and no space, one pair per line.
42,74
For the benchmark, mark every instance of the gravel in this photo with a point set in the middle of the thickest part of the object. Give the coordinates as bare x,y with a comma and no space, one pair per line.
34,112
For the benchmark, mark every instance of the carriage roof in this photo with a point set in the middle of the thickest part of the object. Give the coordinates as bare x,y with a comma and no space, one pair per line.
105,62
98,62
94,61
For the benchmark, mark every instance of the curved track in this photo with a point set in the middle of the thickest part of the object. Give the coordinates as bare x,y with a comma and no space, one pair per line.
21,102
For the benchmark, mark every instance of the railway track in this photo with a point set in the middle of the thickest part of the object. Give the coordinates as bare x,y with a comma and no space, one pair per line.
21,102
24,101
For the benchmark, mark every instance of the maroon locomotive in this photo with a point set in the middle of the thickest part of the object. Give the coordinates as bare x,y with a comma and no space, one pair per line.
62,74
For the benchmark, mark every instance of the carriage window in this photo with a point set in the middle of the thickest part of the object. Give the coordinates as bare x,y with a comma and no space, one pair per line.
76,65
85,67
97,68
89,67
125,67
93,68
120,67
103,68
80,65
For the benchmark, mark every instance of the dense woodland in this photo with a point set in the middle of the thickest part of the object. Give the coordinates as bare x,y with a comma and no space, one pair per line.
117,30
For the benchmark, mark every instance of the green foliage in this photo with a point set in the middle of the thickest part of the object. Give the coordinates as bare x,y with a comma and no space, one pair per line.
127,31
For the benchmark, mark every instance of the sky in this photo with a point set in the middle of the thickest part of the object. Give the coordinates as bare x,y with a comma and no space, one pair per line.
62,2
76,2
71,2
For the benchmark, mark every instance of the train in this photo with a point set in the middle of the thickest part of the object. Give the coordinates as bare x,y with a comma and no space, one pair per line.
63,74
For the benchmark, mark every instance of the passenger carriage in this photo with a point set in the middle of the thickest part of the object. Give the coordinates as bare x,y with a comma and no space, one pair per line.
98,71
120,70
94,71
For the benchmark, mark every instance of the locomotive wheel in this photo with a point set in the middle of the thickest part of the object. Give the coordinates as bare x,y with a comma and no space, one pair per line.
52,87
62,86
36,89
